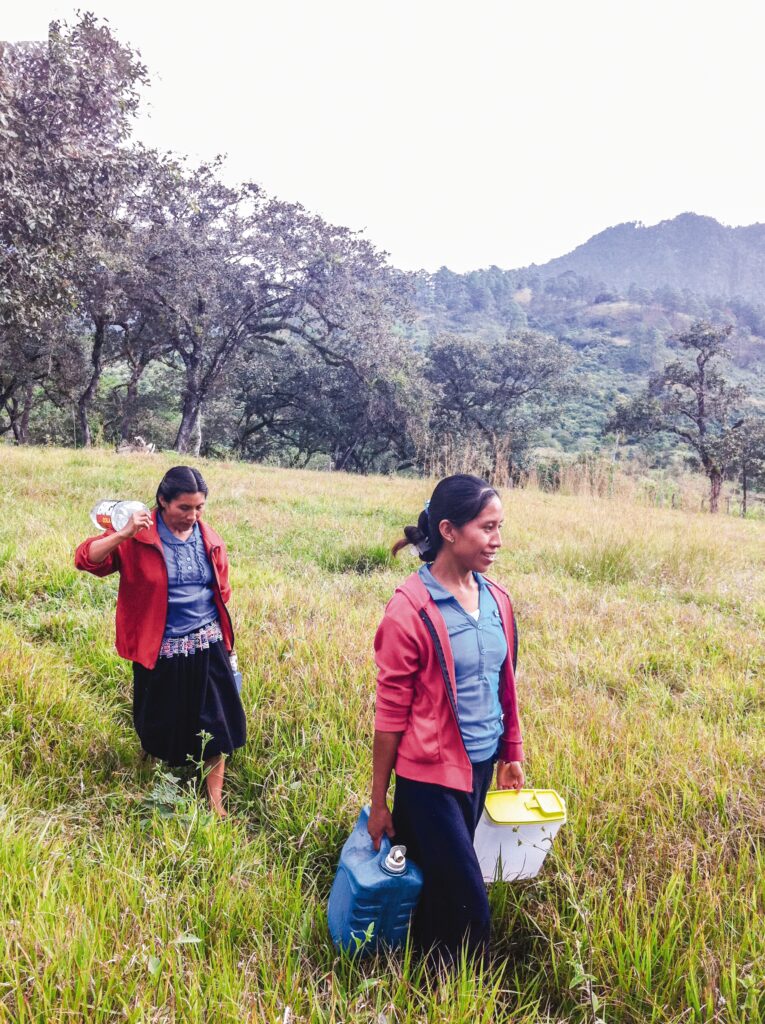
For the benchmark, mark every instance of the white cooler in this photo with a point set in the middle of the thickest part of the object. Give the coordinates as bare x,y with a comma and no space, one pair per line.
516,831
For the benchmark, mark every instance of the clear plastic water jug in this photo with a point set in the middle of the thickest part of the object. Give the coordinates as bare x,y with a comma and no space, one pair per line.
110,514
374,893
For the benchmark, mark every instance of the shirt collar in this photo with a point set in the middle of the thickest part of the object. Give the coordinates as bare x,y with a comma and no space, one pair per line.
437,590
168,537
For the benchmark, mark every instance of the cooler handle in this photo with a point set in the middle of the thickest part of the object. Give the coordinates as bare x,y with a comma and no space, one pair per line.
535,804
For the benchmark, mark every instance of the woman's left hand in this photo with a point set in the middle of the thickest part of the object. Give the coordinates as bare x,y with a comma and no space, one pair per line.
510,775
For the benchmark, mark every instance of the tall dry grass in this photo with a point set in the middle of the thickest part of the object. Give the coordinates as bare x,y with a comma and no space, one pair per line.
641,671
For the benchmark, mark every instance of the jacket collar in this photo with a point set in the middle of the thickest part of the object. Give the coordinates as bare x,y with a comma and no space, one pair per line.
150,535
415,591
418,594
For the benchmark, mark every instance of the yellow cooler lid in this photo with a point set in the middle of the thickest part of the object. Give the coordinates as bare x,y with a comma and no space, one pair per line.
524,806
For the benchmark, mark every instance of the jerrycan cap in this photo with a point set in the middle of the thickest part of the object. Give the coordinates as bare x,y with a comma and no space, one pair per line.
395,862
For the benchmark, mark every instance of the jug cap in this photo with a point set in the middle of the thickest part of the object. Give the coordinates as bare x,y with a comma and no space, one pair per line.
395,862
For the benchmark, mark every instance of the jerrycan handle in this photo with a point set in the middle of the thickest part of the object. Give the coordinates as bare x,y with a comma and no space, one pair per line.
392,859
361,827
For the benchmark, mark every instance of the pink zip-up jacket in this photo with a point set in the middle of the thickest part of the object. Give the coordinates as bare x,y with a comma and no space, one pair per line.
417,689
142,593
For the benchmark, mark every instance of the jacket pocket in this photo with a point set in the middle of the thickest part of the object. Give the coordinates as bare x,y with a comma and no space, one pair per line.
420,740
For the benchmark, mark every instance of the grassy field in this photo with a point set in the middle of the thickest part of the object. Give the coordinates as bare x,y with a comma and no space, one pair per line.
641,687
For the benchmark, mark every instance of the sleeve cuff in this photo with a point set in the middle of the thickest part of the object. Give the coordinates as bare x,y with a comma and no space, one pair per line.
387,722
509,751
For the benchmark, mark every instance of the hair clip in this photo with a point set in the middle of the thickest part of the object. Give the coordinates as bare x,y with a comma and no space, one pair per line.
427,505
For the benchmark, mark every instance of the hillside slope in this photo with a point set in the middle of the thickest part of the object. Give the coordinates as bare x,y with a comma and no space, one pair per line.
640,671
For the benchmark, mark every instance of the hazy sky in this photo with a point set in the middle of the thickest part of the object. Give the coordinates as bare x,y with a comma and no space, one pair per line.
459,133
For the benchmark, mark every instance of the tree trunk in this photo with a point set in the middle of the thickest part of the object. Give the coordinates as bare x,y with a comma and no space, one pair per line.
715,486
13,409
29,393
744,482
20,415
341,459
86,398
82,424
188,440
131,398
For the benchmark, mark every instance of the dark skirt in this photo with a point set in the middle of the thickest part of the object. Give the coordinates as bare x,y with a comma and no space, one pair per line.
181,697
437,826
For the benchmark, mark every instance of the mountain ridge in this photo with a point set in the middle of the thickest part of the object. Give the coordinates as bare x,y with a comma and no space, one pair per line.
689,251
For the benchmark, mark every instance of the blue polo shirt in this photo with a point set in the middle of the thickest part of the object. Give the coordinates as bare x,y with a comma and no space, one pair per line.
479,648
190,599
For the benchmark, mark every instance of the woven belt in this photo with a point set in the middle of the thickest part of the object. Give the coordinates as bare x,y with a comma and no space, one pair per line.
199,640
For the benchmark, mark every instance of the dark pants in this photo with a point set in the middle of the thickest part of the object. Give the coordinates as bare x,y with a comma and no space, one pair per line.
437,826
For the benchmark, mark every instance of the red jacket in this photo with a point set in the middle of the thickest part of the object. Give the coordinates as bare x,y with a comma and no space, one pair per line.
142,595
417,690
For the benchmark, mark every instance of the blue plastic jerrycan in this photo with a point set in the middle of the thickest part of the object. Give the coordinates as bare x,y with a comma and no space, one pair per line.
374,893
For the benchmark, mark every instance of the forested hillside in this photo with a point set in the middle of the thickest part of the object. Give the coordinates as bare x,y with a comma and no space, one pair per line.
140,294
616,303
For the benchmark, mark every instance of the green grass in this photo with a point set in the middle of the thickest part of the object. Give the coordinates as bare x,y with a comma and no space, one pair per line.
358,558
641,686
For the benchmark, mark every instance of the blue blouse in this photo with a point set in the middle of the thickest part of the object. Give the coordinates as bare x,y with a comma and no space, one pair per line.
190,598
479,648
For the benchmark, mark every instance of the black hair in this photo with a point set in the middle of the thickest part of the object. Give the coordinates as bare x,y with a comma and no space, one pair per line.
180,480
459,499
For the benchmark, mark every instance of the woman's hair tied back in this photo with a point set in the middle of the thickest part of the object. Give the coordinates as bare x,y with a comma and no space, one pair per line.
458,498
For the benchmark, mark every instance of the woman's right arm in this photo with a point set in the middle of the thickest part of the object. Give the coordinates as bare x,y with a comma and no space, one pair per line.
99,550
398,665
384,748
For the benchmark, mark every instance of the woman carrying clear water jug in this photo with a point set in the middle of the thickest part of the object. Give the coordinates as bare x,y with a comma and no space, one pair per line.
447,711
173,624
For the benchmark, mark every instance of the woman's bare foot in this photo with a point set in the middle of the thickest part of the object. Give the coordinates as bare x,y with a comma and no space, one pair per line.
218,809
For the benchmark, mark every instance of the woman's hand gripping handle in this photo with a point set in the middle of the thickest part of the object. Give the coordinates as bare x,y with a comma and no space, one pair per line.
510,775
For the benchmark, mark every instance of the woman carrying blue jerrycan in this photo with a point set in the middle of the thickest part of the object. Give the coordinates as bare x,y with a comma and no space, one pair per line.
446,712
374,892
